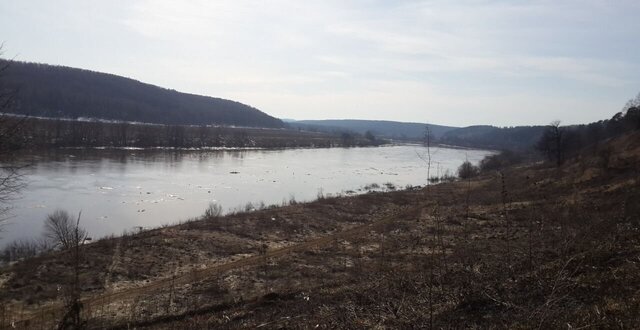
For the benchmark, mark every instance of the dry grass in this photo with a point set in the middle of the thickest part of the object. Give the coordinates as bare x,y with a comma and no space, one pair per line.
563,250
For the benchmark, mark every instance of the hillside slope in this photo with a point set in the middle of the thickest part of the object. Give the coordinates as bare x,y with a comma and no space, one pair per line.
63,92
533,247
382,128
491,137
524,138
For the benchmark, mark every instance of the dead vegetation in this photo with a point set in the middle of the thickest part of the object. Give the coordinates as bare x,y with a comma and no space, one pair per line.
528,247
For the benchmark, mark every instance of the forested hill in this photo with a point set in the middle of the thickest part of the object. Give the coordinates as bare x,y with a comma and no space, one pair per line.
525,138
382,128
491,137
57,91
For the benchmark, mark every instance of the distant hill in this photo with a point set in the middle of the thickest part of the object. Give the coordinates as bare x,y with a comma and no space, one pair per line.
63,92
491,137
525,138
380,128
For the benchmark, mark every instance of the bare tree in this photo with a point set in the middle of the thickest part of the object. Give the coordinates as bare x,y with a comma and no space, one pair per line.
10,185
72,318
427,158
10,175
633,103
467,170
553,143
60,229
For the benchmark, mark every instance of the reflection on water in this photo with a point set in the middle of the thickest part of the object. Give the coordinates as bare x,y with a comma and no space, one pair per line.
120,190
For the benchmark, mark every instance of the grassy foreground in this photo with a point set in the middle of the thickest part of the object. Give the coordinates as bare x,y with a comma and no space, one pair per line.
530,247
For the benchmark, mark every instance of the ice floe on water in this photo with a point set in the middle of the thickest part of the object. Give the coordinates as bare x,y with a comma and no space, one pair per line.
117,193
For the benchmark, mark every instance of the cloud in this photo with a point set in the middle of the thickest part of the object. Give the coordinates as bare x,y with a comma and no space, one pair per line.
398,58
454,62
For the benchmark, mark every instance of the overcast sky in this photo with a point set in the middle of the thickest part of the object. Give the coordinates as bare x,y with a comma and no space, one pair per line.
444,62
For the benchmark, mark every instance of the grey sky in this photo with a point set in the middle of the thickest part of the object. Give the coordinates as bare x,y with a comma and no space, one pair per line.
444,62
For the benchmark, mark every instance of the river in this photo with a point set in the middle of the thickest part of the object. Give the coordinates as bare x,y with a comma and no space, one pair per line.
124,190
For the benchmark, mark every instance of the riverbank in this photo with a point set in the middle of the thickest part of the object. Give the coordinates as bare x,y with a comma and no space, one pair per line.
46,133
121,190
533,247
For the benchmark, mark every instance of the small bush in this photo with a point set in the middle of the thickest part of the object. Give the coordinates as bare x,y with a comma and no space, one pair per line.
447,177
21,249
467,170
214,210
249,207
372,186
499,161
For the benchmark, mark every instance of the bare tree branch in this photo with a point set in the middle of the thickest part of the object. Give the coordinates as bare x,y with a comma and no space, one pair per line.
11,177
60,230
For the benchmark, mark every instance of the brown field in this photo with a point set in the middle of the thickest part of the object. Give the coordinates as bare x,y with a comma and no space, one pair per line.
531,247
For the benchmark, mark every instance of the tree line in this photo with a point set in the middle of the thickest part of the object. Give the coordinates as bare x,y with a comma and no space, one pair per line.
559,142
39,133
555,143
519,138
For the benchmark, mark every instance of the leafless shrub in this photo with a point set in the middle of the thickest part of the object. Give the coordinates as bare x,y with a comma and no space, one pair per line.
372,186
20,249
214,210
447,177
467,170
61,230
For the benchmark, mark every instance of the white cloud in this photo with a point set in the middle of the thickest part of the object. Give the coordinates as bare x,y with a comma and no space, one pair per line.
486,61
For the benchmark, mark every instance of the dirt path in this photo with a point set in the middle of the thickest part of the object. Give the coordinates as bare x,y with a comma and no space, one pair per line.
91,303
115,260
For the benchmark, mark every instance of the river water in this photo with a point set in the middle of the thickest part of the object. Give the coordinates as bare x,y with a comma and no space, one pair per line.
124,190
